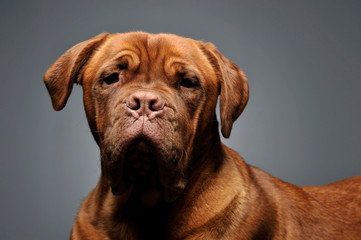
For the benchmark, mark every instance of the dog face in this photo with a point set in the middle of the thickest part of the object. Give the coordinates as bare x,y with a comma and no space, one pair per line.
149,100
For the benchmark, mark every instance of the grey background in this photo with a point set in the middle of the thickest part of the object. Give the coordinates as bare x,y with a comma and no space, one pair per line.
302,123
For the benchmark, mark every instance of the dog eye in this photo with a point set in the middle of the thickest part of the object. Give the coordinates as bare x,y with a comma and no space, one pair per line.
188,83
112,78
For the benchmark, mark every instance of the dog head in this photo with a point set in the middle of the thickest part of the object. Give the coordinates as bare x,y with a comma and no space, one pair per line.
149,100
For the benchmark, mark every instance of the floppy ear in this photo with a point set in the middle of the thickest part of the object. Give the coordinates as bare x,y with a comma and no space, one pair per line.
233,88
61,76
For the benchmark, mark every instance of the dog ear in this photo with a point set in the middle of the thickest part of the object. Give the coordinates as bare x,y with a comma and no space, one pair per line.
61,76
233,84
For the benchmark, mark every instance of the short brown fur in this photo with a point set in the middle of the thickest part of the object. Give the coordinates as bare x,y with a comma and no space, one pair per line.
150,101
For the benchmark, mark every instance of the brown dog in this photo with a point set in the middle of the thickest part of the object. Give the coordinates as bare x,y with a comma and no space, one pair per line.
150,102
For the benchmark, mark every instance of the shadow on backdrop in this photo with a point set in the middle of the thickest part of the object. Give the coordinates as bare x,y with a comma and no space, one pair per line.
302,123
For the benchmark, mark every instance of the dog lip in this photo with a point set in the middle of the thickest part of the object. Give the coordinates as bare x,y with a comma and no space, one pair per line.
141,143
141,157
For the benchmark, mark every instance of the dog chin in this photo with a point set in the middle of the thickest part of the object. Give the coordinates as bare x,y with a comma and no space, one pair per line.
141,159
145,172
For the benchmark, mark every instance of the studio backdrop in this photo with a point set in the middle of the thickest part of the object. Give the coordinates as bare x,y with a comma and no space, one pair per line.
302,123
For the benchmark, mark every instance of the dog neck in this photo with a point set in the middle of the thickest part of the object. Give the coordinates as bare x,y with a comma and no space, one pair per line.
209,190
210,196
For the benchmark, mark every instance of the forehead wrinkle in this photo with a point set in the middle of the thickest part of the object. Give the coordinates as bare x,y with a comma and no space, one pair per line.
168,46
157,50
136,42
117,49
152,47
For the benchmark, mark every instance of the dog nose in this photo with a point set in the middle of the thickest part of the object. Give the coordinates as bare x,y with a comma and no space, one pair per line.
145,103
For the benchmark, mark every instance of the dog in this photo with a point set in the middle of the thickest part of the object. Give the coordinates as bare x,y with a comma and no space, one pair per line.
150,102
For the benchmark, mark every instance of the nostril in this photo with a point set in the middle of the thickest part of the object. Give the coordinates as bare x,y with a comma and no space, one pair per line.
133,103
156,105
